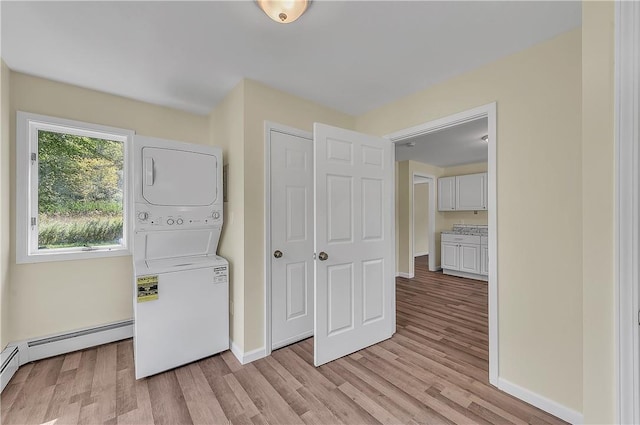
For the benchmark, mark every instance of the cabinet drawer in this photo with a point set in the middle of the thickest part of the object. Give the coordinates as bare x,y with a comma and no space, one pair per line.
460,239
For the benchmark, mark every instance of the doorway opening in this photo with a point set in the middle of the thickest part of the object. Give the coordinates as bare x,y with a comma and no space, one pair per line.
423,219
408,138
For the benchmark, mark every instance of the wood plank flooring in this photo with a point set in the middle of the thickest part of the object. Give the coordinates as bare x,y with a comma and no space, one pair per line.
433,371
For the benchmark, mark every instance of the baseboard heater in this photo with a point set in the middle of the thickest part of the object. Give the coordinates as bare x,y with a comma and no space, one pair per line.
10,364
77,340
76,334
17,354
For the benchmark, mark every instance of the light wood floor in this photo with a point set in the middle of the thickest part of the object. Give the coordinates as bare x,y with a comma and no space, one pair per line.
433,371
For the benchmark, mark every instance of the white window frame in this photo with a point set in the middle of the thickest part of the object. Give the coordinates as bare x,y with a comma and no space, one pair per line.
27,128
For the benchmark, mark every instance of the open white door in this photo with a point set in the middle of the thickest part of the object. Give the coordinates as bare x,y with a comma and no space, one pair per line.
355,281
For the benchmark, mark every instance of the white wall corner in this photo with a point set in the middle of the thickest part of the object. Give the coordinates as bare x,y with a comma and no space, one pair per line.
247,357
405,275
563,412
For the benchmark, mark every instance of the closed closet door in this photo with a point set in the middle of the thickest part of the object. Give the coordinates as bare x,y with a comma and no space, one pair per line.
291,238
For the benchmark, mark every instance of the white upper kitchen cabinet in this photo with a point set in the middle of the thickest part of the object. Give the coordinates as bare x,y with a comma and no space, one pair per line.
471,192
447,193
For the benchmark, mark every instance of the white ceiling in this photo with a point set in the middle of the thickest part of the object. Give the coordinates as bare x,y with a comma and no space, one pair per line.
457,145
353,56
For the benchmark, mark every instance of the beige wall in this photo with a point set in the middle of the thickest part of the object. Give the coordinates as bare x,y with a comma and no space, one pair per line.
48,298
227,131
465,217
259,103
539,265
420,218
404,228
5,225
598,218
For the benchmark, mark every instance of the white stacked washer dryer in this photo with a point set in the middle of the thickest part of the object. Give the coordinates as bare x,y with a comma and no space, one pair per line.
181,287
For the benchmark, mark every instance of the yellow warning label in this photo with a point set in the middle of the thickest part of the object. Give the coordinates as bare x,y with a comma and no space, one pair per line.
147,288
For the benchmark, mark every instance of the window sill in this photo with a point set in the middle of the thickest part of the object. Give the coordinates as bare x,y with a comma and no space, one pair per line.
72,255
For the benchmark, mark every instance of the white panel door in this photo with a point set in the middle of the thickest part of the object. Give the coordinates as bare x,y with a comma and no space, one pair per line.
355,282
291,239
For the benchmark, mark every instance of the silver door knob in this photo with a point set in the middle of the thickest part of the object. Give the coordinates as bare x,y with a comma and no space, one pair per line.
277,253
323,256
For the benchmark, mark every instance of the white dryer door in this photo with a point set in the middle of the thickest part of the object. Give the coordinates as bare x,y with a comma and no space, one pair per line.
179,178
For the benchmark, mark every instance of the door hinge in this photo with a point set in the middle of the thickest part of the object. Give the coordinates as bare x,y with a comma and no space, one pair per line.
33,221
34,157
638,317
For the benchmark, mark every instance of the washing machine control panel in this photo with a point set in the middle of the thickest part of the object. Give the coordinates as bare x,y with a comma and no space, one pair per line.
149,217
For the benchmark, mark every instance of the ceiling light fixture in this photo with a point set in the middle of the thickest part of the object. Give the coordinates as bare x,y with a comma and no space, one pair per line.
284,11
485,138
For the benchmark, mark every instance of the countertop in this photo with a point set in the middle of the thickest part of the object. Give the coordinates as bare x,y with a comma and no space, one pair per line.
467,229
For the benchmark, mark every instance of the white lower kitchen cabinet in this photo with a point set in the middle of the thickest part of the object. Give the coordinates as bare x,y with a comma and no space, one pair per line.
462,255
469,258
484,260
450,258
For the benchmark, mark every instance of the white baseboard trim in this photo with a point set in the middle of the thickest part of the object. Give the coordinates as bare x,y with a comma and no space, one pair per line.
405,275
420,254
248,357
541,402
10,362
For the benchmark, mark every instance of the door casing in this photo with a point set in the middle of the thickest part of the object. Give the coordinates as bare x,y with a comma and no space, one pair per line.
485,111
431,225
268,128
627,211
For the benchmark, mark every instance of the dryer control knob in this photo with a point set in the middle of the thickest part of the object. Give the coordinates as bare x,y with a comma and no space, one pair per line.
179,221
143,215
216,215
170,221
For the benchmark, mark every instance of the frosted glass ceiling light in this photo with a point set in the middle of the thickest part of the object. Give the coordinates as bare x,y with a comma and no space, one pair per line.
284,11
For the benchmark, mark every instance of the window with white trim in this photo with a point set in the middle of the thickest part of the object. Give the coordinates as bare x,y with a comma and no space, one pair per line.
72,195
